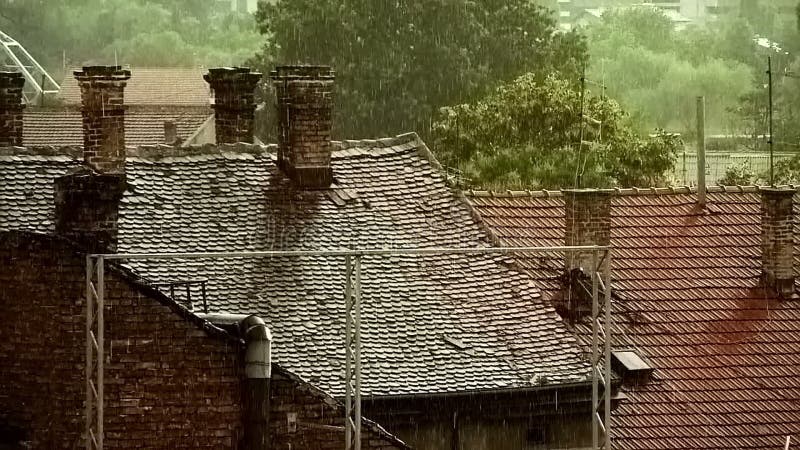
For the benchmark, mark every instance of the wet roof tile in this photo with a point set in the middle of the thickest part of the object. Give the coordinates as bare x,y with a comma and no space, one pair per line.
389,196
143,125
153,86
726,354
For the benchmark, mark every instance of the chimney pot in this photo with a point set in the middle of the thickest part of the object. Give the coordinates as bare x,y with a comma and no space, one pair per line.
103,110
305,113
11,106
777,239
588,222
234,102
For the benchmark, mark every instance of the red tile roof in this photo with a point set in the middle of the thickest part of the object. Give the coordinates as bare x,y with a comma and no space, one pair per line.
726,353
143,125
153,86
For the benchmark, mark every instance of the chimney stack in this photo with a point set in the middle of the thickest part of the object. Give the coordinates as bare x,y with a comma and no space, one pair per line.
103,110
87,208
588,222
305,113
170,132
234,103
11,106
777,241
87,200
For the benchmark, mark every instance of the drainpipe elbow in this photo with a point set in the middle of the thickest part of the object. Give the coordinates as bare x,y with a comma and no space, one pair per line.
258,352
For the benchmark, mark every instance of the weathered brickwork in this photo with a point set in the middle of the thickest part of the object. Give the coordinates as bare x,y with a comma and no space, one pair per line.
319,419
588,222
87,208
11,106
777,241
169,384
103,110
234,103
305,113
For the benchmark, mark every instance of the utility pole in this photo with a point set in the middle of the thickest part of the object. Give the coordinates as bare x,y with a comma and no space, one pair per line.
701,151
583,125
771,160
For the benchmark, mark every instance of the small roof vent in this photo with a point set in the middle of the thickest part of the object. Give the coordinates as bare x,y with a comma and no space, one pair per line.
633,369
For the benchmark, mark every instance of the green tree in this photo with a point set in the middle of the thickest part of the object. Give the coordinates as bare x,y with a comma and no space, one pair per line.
656,72
398,61
738,175
787,171
136,32
527,133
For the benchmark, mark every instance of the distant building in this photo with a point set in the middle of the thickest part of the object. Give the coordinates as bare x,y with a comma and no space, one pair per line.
165,105
248,6
681,12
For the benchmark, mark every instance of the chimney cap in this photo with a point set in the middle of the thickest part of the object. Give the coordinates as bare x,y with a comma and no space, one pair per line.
782,191
302,71
232,74
103,72
11,79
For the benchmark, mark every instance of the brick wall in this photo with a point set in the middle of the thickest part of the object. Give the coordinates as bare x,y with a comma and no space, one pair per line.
319,419
169,384
103,111
305,113
777,242
588,222
234,103
87,208
11,107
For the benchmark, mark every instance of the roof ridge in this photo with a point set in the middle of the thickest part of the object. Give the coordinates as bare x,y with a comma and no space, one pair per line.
375,147
635,191
43,150
163,150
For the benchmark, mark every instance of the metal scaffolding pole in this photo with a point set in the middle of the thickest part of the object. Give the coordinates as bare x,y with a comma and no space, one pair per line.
595,357
352,353
95,345
608,334
95,300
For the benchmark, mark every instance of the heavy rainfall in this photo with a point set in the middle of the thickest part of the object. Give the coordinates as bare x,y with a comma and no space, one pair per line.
399,224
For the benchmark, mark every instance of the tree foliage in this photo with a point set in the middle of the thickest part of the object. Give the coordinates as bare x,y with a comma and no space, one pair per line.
526,134
397,62
787,171
136,32
657,72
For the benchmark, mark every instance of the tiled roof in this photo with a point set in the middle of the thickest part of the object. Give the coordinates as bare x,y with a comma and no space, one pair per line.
431,324
173,86
205,325
143,125
726,353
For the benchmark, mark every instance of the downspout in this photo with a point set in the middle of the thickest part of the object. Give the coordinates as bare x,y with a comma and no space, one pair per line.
257,370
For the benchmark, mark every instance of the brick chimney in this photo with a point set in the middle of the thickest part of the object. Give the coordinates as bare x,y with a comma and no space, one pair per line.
305,112
777,242
87,199
234,103
103,110
87,208
11,106
588,222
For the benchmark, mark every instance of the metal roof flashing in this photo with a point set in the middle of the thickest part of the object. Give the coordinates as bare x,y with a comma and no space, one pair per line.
631,367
